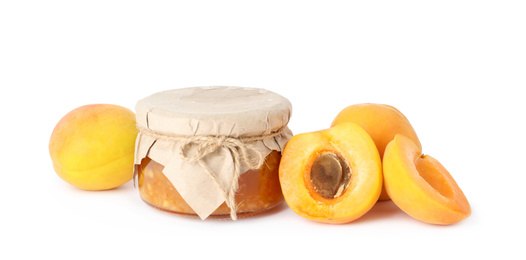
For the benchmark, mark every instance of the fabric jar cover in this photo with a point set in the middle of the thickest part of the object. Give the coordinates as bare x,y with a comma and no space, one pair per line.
205,137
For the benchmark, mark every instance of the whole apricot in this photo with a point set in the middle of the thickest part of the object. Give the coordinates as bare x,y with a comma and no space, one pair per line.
381,122
92,147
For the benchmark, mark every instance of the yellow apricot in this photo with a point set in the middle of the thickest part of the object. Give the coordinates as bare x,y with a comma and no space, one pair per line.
419,185
381,122
331,176
92,147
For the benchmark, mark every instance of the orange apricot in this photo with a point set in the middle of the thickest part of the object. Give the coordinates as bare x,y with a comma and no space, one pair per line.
331,176
381,122
419,185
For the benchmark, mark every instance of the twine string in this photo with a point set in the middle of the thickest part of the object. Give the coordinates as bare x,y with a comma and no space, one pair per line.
239,148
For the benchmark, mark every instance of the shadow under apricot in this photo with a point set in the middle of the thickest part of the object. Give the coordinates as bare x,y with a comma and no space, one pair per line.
381,210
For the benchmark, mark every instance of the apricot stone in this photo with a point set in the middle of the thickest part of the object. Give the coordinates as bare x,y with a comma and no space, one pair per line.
331,176
92,147
381,122
419,185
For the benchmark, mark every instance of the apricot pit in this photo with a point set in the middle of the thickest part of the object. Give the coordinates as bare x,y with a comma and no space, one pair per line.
330,175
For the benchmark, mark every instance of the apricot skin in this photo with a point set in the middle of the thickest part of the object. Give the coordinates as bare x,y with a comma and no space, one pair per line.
381,122
352,143
421,186
92,147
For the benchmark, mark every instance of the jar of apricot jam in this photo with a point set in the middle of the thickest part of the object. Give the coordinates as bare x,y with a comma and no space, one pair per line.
211,152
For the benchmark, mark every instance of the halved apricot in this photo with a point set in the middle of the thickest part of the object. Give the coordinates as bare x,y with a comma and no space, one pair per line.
332,175
419,185
381,122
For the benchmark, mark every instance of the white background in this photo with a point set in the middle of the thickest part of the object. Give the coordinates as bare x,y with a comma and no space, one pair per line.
456,69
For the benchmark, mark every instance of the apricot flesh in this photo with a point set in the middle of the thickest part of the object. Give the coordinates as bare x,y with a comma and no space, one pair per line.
381,122
92,147
421,186
353,168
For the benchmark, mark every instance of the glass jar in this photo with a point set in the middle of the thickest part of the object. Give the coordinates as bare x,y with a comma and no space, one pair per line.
259,189
211,151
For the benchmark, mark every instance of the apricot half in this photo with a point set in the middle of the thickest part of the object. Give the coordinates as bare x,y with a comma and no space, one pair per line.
419,185
332,175
92,147
381,122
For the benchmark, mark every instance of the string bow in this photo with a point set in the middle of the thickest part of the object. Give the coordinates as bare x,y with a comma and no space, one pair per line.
239,150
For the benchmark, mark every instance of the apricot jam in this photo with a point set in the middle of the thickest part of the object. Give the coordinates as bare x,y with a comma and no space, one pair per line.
211,151
258,191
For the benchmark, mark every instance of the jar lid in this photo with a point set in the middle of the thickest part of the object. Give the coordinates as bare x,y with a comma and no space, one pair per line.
226,111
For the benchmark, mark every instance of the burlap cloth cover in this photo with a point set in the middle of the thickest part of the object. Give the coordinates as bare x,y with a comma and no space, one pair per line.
205,137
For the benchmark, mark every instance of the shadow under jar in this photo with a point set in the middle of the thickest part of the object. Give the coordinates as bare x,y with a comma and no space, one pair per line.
211,152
